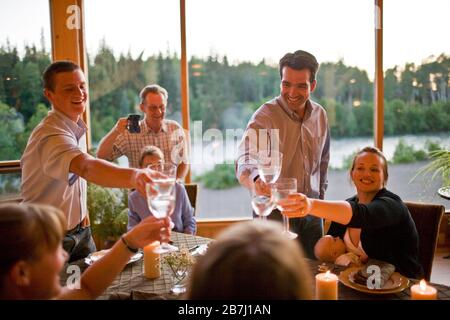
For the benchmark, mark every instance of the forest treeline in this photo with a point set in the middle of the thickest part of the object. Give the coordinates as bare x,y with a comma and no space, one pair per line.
222,95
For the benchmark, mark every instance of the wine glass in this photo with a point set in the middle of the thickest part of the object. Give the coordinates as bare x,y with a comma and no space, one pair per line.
162,202
165,184
180,263
262,205
281,190
269,165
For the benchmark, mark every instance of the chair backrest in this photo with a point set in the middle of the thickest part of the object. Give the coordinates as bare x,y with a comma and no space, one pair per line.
192,192
427,218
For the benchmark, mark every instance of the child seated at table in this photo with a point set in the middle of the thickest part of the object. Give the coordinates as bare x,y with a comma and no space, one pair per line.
334,250
183,219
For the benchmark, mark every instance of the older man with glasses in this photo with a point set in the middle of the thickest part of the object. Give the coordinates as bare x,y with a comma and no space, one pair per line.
155,130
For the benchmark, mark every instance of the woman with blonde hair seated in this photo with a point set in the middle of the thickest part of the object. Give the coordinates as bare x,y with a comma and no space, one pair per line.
32,255
251,260
375,221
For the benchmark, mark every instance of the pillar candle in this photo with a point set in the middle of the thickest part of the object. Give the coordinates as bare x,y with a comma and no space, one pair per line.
152,262
326,286
423,291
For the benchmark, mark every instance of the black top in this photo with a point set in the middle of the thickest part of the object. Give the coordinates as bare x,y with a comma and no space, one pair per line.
388,232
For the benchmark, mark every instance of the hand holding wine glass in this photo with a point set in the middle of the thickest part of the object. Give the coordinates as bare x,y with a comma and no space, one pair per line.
297,205
281,191
162,202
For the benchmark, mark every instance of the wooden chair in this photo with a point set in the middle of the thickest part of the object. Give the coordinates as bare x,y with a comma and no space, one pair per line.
192,192
427,218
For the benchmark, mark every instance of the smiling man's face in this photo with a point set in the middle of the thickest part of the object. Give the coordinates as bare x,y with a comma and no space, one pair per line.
154,107
296,87
69,94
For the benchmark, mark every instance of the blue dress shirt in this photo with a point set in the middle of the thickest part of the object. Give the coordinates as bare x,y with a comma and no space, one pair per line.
182,216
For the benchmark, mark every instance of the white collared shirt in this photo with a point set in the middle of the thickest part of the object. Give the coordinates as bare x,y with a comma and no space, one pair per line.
45,163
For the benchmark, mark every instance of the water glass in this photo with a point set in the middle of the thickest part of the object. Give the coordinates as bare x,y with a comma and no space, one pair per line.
281,191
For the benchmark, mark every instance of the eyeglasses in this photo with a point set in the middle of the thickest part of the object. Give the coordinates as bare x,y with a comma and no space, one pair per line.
154,108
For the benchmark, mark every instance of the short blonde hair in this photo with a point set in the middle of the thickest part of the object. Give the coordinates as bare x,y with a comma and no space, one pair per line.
28,231
251,260
150,151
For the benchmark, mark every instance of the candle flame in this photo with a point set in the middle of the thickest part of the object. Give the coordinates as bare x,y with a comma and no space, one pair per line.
327,274
423,285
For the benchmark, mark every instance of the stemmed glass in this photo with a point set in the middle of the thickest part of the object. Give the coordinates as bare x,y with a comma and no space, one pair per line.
180,263
281,190
162,202
262,205
269,169
269,165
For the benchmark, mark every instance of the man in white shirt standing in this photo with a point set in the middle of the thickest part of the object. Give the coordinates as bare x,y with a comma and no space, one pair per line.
55,164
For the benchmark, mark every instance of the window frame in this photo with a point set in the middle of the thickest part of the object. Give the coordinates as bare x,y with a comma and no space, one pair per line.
70,44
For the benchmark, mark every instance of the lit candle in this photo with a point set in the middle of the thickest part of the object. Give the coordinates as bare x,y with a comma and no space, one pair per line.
152,262
422,291
326,286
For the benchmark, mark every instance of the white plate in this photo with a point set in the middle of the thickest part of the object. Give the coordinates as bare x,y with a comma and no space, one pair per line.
444,192
200,250
90,259
396,283
393,282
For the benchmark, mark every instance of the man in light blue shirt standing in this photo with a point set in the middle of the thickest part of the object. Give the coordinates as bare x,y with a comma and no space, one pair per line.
298,128
55,164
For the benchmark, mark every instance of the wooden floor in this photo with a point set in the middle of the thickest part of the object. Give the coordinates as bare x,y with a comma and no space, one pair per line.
441,267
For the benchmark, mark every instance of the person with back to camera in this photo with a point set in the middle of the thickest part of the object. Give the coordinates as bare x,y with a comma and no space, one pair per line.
251,260
33,257
375,220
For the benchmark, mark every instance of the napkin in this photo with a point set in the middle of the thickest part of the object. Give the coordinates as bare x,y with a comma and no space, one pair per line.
348,259
386,270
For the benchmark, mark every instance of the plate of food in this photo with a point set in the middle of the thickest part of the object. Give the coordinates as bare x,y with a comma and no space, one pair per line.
396,282
94,256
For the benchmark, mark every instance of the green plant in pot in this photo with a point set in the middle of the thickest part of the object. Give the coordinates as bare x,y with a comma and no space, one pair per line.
108,212
438,167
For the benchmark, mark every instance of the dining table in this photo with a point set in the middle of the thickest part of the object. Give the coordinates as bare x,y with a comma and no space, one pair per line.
131,284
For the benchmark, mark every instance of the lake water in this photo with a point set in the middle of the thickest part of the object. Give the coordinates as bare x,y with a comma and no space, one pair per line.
340,148
206,155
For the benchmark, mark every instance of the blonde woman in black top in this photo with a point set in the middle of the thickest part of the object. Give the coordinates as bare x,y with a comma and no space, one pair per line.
374,220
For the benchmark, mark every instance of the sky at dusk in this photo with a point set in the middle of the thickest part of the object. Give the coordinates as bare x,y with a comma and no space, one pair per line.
249,30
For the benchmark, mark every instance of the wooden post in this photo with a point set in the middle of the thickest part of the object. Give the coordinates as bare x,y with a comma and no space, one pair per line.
184,80
67,29
379,77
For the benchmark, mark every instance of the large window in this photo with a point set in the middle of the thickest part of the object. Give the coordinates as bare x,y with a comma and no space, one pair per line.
417,93
24,53
234,58
129,47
